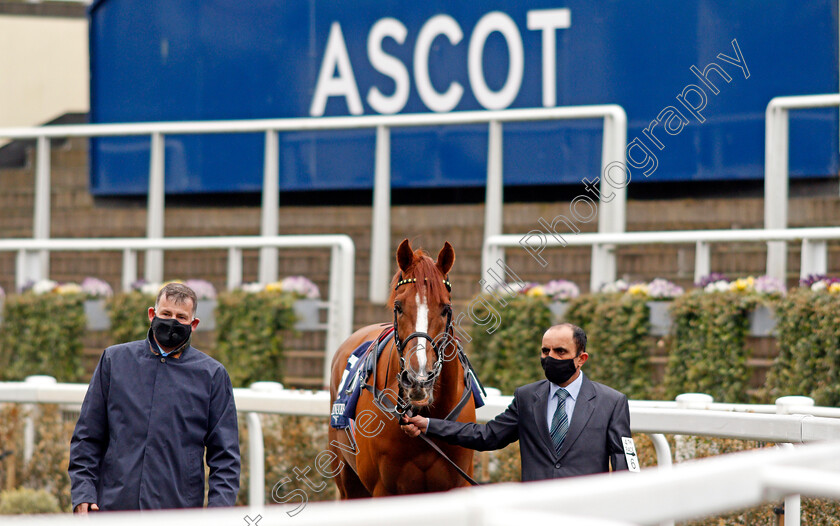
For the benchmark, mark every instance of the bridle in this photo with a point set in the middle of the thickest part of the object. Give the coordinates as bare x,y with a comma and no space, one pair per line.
400,344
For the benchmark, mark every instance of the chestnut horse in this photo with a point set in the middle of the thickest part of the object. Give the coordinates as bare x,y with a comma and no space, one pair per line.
417,371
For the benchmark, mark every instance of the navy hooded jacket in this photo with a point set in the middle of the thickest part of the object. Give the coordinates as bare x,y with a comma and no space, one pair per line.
143,429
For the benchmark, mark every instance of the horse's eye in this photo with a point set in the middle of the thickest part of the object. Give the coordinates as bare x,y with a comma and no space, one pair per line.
446,310
398,307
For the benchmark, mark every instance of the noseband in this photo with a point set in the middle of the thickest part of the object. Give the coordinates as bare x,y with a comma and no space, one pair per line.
401,344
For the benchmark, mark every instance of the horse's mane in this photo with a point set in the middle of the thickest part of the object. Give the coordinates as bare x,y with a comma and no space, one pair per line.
429,281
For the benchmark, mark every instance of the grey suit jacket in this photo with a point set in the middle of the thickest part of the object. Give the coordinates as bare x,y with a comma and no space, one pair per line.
601,417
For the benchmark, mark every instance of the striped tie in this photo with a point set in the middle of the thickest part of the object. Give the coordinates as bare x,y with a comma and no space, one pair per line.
560,421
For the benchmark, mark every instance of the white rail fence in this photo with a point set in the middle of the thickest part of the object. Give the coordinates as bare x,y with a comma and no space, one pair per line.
776,168
814,247
612,218
341,280
689,491
690,414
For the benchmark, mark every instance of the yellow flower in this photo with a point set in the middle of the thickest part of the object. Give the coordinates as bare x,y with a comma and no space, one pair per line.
640,289
834,287
68,288
274,287
539,290
742,284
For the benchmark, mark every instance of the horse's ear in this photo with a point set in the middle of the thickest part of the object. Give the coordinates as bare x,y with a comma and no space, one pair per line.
446,258
405,255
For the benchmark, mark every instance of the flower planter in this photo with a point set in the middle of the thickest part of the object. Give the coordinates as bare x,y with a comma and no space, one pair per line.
97,315
98,320
308,313
660,317
762,321
206,312
558,309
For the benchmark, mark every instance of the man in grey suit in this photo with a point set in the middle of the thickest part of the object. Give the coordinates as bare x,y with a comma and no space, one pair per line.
567,425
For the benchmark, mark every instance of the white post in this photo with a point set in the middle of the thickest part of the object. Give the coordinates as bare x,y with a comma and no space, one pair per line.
129,269
380,238
39,262
494,199
256,461
702,261
30,410
340,302
612,216
793,511
814,258
154,218
776,186
663,459
234,269
270,206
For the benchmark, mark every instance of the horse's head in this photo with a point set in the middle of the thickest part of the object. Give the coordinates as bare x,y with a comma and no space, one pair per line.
422,318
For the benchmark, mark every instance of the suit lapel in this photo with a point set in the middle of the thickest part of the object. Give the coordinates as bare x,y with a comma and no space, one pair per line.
584,406
540,410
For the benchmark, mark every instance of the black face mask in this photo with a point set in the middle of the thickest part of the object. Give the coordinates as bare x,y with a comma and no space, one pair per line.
558,371
170,333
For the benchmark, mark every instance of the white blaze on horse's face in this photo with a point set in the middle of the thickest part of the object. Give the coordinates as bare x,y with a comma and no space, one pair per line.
421,326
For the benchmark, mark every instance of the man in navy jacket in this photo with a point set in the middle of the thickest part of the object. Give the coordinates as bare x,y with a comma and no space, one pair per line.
152,408
567,425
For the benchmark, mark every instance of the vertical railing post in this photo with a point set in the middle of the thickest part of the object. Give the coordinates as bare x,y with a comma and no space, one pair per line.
776,186
256,461
814,259
702,261
129,269
494,199
234,268
270,206
614,178
38,263
340,301
380,238
155,213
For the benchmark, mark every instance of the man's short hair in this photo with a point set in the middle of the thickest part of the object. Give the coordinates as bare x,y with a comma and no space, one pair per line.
579,336
179,294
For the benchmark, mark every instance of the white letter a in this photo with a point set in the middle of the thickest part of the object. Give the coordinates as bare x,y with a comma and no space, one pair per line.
344,85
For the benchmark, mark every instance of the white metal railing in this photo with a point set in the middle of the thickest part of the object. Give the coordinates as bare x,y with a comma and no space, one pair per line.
341,281
689,491
611,219
776,150
691,414
814,247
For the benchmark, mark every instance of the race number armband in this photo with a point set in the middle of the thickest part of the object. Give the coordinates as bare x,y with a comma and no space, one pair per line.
630,454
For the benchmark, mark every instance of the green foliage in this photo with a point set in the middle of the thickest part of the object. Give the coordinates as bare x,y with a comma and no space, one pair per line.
616,327
708,346
129,318
51,455
808,324
250,334
510,356
290,442
42,334
25,501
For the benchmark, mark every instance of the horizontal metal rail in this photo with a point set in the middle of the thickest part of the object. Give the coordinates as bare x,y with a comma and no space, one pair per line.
611,219
341,281
814,247
718,420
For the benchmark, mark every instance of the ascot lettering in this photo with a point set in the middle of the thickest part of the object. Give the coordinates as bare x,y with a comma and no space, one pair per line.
336,77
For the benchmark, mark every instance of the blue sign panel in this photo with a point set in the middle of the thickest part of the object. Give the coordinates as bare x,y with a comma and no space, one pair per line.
694,77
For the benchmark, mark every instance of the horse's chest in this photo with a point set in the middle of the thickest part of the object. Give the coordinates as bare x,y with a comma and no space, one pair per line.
397,474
